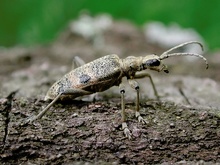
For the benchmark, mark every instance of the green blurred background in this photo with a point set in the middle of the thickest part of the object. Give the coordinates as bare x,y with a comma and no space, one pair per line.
30,22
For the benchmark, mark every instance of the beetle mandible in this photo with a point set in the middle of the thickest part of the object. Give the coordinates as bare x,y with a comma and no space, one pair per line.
108,71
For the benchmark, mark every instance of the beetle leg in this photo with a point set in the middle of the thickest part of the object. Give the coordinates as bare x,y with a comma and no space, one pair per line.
143,75
39,115
70,91
134,84
124,124
77,62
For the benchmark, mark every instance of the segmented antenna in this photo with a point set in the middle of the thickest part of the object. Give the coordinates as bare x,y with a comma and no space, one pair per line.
166,53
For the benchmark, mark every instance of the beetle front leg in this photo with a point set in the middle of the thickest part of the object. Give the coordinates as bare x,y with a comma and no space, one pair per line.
143,75
123,117
134,84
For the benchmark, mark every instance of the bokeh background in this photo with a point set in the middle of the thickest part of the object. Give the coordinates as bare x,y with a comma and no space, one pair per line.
33,22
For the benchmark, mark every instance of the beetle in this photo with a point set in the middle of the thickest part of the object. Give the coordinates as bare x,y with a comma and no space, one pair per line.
105,72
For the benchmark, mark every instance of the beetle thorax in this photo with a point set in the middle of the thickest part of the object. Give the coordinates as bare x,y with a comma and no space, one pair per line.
131,65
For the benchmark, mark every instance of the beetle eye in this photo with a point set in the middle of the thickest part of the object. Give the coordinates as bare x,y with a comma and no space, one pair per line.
153,62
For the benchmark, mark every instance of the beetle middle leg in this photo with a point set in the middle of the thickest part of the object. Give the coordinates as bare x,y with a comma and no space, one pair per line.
134,84
77,62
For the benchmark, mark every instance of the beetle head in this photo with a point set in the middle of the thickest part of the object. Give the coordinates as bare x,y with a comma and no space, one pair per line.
153,62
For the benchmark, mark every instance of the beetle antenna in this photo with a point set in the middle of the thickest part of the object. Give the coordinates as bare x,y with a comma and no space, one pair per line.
181,45
164,56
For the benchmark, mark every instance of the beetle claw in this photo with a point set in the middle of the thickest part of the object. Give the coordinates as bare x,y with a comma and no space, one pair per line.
140,118
166,71
29,120
127,132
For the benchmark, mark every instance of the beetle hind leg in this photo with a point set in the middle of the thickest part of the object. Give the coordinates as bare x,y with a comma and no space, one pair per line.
69,91
39,115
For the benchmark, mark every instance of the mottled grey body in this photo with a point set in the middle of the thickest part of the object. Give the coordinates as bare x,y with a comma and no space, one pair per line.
108,71
96,76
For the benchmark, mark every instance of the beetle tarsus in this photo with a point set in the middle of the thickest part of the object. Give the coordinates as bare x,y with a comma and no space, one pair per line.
140,118
27,121
127,132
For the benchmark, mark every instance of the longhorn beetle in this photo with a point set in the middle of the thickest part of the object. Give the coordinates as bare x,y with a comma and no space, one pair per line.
108,71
